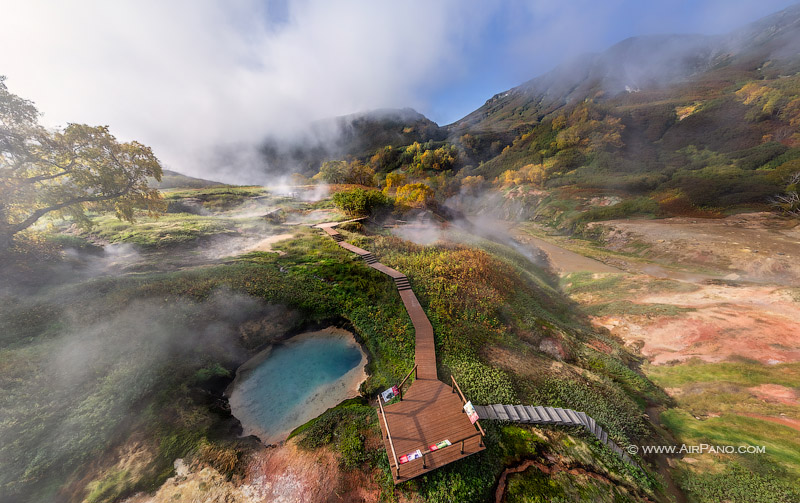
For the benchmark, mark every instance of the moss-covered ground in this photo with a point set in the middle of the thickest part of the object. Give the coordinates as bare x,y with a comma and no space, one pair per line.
93,365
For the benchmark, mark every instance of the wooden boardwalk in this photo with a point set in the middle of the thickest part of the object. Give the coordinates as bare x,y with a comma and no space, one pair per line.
550,415
429,411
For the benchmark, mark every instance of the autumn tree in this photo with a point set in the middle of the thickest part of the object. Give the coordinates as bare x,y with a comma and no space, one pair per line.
332,172
66,172
473,185
383,159
299,179
422,158
360,173
393,180
415,194
358,202
355,172
535,174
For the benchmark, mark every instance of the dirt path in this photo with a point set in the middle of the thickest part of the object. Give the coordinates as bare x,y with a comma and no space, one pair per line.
265,245
565,261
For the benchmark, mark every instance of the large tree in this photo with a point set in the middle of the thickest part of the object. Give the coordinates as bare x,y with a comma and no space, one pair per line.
68,171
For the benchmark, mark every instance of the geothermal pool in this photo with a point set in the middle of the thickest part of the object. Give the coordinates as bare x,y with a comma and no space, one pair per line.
294,382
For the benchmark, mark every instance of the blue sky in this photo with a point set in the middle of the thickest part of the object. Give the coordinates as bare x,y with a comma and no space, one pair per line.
511,52
187,76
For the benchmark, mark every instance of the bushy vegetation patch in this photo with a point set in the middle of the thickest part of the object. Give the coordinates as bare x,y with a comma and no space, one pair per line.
216,198
738,484
167,230
483,384
610,406
358,202
476,301
344,428
639,206
535,486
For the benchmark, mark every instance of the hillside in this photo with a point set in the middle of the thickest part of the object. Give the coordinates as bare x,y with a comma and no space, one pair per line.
646,64
173,179
355,135
693,121
677,124
220,284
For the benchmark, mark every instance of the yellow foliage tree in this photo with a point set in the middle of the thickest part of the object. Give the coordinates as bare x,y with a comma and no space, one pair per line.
415,194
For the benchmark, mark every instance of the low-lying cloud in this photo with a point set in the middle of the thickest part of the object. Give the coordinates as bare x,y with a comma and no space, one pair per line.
185,76
196,78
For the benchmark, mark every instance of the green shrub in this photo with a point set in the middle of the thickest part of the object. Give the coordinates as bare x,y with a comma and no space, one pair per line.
359,202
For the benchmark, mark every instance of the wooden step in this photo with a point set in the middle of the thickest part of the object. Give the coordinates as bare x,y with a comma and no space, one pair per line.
402,283
531,410
545,415
522,412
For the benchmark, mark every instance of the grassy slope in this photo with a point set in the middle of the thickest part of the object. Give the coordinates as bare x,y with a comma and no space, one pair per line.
483,305
491,312
713,405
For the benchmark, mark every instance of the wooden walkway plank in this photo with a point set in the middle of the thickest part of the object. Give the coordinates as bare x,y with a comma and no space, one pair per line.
522,412
550,415
573,417
354,249
429,411
511,411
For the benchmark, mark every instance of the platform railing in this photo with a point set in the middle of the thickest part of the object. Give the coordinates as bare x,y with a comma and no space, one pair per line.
389,436
402,383
463,399
428,451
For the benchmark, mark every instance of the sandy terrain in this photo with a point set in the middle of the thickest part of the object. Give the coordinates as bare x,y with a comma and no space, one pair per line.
748,315
757,322
755,247
775,393
737,295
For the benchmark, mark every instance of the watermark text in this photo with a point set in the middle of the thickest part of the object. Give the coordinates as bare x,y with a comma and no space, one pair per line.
696,449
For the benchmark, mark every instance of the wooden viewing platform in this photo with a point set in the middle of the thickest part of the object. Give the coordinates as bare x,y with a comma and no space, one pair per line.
429,411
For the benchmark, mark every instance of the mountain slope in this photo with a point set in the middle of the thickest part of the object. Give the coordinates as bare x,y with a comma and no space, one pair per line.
355,135
642,63
696,121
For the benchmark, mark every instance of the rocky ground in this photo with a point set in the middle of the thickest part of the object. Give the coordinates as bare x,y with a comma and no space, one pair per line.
283,473
712,305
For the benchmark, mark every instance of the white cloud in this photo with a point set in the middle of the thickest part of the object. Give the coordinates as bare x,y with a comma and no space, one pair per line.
184,76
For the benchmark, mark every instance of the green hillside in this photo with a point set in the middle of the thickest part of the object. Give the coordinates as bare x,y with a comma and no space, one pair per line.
693,124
